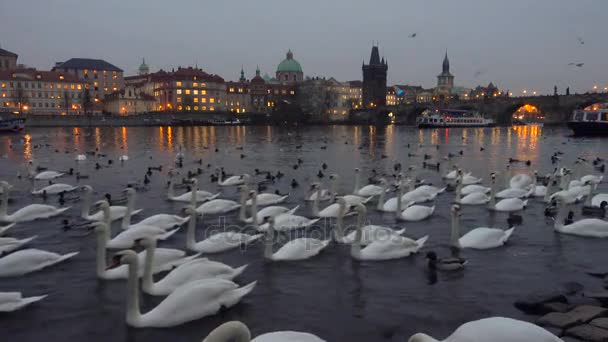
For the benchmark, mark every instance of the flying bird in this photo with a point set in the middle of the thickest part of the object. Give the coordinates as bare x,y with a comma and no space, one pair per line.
577,64
479,72
580,40
413,35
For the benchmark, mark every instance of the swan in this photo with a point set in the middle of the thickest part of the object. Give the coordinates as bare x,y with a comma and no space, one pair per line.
332,210
54,189
8,245
593,179
48,175
520,181
413,213
29,260
123,158
539,189
264,199
395,247
116,211
369,233
389,205
469,189
12,301
368,190
495,329
28,213
507,204
286,222
418,195
163,221
192,301
4,229
296,249
231,181
572,195
478,238
324,195
590,227
185,273
80,157
236,331
596,201
515,193
473,198
452,175
164,259
216,243
270,211
222,206
350,199
199,195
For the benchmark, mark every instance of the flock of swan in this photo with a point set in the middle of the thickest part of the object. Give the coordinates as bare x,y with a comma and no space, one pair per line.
194,286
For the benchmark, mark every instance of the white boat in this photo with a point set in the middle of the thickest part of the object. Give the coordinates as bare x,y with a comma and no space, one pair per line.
452,118
590,121
10,122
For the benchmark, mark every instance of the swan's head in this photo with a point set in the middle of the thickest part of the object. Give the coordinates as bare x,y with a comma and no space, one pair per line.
333,176
253,194
190,210
341,202
360,209
194,181
535,172
383,181
357,170
126,257
130,192
421,338
87,188
103,204
455,210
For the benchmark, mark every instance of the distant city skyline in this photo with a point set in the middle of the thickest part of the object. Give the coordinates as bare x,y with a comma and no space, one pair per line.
515,44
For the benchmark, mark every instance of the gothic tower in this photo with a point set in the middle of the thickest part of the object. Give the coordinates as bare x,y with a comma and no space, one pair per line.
445,80
374,80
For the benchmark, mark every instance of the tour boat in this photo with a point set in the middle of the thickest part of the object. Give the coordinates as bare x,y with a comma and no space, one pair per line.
452,118
10,122
590,122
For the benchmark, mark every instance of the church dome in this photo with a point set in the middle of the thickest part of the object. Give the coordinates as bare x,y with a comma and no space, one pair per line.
289,64
143,68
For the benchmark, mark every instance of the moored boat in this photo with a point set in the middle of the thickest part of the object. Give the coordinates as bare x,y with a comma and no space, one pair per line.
452,118
589,121
10,122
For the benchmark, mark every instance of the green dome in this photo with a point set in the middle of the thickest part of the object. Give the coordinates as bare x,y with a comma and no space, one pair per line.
289,64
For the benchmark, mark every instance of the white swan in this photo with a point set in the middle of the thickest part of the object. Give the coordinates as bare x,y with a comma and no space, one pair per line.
216,243
477,238
286,222
418,195
80,157
495,329
196,269
48,175
368,190
395,247
515,193
264,198
116,211
163,221
413,213
231,181
12,301
235,331
123,158
590,227
350,199
8,245
469,189
222,206
164,260
29,260
596,201
194,194
28,213
472,198
507,204
389,205
324,194
54,189
270,211
521,181
4,229
332,210
296,249
453,174
192,301
539,189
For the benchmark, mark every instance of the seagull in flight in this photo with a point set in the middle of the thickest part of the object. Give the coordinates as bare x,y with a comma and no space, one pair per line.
577,64
413,35
580,40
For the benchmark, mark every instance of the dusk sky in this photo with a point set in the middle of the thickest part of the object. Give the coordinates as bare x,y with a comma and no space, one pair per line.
515,43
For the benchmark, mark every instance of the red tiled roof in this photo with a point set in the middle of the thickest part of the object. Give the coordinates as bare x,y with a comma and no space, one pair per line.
33,74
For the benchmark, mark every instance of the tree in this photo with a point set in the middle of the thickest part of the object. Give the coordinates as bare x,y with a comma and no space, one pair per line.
86,101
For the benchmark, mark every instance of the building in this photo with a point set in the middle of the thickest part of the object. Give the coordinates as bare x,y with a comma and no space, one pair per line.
8,60
339,99
374,80
355,92
188,90
445,80
259,92
129,101
391,96
407,94
289,70
100,77
490,90
41,92
238,99
144,69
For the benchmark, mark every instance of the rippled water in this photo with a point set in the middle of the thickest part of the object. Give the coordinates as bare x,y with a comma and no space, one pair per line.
330,295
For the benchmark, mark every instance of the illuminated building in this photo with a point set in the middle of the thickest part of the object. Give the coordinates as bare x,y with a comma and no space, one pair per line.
391,96
100,77
445,80
238,99
8,60
40,92
355,93
259,92
289,70
324,99
374,80
131,100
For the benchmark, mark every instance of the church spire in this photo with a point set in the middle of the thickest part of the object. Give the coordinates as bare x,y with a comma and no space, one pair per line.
257,70
446,63
242,79
374,59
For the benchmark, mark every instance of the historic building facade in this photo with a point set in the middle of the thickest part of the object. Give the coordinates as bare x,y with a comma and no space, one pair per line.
289,70
129,101
8,60
374,80
238,99
445,80
100,77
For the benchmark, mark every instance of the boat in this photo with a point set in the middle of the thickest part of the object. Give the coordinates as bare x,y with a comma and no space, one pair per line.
234,122
10,122
592,121
438,118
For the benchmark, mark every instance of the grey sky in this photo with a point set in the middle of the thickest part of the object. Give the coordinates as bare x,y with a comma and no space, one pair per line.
515,43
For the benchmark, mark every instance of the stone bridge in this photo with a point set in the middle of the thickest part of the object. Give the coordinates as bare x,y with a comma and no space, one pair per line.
556,109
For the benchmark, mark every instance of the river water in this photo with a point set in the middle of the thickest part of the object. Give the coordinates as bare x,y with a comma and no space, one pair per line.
330,295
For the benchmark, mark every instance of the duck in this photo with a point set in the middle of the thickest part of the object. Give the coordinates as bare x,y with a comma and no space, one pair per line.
165,258
506,205
30,260
187,272
472,198
117,212
163,221
13,301
8,245
590,227
218,242
477,238
395,247
189,302
496,329
28,213
54,189
272,211
193,195
444,264
236,331
231,181
367,190
294,250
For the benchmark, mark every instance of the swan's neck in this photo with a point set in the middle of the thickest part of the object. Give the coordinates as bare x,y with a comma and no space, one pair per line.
133,313
126,220
191,232
220,177
455,236
355,247
591,194
492,203
101,253
86,204
508,174
399,202
4,204
560,216
547,197
381,197
243,208
194,195
357,182
315,203
170,191
339,233
459,191
231,331
269,241
254,211
565,182
333,189
148,283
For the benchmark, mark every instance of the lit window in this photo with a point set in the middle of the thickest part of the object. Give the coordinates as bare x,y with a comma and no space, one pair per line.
61,77
238,110
187,91
187,107
196,100
71,86
243,110
203,85
96,84
179,107
3,85
178,91
195,84
231,90
204,108
203,100
240,90
195,107
203,92
211,109
195,91
178,83
212,100
179,99
292,92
